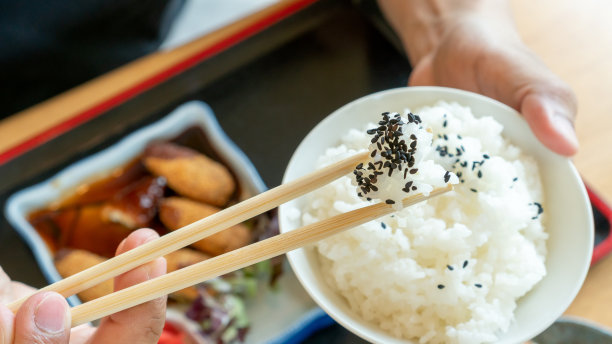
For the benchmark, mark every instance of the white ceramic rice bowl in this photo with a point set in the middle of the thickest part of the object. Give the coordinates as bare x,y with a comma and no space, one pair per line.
569,221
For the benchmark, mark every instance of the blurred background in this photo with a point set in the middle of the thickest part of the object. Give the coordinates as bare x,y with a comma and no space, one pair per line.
51,46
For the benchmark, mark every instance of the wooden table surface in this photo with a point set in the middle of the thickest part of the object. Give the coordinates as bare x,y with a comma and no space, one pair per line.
574,38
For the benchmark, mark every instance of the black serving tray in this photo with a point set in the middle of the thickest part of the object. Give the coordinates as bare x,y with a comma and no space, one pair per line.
267,92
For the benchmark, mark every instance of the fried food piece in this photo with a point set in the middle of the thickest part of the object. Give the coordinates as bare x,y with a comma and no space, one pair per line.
190,173
94,234
177,212
135,205
178,260
69,262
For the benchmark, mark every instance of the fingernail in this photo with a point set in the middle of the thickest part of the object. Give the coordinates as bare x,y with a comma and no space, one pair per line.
50,315
566,129
120,246
561,122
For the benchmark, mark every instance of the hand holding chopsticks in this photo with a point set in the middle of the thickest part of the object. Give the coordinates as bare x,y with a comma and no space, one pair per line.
200,229
227,262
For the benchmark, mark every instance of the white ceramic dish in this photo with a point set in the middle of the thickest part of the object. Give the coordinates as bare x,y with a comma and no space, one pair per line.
570,226
277,315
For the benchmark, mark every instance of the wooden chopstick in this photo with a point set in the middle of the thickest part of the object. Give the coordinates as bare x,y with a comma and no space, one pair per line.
235,260
200,229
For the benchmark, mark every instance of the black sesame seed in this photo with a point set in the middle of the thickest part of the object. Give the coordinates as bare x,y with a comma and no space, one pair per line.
459,137
444,124
390,201
440,286
374,188
405,173
473,190
514,179
360,166
446,177
373,154
383,225
486,156
540,209
371,131
445,137
479,174
450,268
409,184
465,264
478,285
413,188
368,199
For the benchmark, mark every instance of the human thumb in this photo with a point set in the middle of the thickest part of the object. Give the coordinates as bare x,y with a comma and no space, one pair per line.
43,318
552,120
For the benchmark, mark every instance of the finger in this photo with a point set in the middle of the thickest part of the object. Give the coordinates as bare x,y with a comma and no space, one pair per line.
81,334
7,320
551,120
522,81
6,290
20,290
422,74
143,323
43,318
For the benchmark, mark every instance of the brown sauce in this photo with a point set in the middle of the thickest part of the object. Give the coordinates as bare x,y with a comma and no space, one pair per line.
81,220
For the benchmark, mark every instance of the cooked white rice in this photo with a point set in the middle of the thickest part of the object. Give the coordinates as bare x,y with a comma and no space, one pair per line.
400,162
448,270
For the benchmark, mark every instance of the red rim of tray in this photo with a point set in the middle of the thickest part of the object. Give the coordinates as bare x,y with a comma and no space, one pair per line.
604,247
146,84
